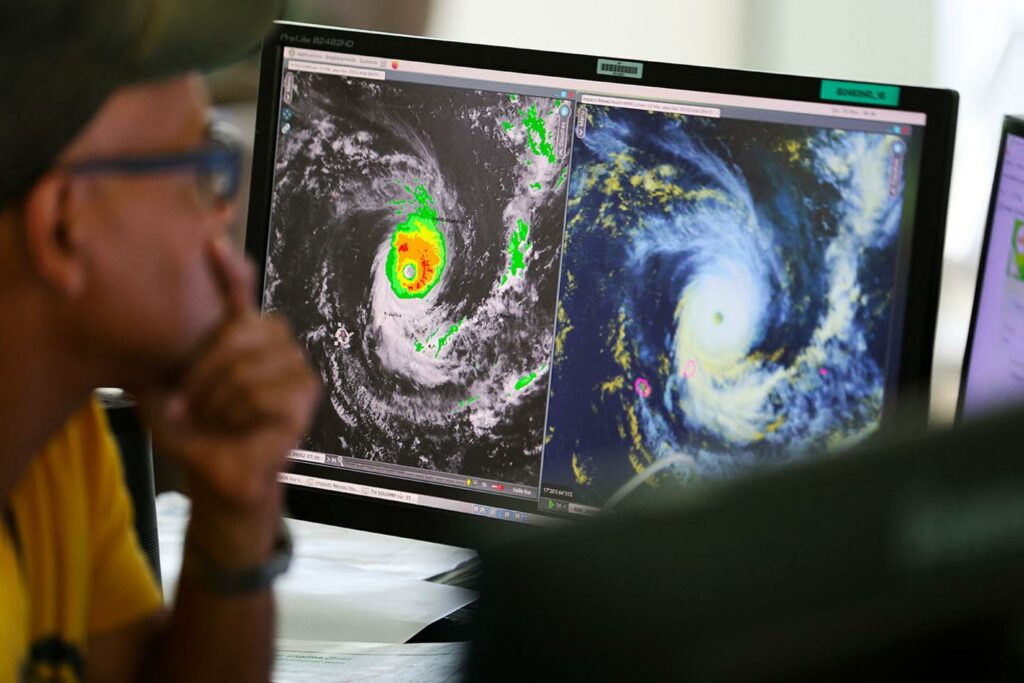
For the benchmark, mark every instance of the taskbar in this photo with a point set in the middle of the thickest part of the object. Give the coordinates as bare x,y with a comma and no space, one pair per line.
459,481
559,506
410,498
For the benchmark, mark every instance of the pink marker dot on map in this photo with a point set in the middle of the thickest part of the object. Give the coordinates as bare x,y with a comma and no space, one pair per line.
689,369
823,372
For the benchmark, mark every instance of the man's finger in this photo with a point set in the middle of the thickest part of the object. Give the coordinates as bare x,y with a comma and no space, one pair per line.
236,342
234,275
287,403
249,374
158,406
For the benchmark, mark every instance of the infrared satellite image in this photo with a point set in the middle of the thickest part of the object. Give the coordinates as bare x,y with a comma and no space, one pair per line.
415,244
725,296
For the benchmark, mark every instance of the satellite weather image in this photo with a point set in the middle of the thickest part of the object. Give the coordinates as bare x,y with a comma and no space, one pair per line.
725,296
415,244
511,287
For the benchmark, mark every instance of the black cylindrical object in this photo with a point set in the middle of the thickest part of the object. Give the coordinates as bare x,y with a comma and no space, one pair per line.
137,458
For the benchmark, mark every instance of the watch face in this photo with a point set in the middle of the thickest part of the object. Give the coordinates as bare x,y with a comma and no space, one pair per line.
1017,255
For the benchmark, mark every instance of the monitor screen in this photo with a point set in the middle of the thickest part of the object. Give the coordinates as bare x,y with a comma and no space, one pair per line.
522,290
994,367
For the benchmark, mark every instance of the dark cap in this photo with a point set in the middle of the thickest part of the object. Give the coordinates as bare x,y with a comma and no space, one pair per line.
61,59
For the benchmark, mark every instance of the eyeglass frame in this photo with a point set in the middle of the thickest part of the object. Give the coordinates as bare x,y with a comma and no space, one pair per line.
221,153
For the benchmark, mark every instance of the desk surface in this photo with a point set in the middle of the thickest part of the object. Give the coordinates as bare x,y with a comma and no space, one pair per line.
344,586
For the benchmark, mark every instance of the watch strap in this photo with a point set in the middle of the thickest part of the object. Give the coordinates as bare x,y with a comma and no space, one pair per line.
243,580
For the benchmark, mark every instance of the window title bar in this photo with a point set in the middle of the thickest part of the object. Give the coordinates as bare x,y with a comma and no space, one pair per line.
670,95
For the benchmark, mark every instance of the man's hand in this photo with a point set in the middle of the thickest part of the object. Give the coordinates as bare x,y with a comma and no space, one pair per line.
232,419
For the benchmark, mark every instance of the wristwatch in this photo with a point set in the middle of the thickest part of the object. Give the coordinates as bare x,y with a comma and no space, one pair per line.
242,580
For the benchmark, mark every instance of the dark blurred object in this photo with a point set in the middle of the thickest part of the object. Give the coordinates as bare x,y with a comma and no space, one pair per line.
137,457
238,83
457,626
902,561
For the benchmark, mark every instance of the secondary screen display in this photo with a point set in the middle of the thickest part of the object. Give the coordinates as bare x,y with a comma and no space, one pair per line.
995,377
521,293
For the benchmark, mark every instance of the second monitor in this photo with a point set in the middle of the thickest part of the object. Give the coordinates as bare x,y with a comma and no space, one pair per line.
993,376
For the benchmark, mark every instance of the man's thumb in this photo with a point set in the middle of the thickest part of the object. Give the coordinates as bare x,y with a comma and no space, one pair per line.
234,275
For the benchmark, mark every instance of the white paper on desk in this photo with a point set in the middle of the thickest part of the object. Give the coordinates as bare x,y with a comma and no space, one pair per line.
362,549
329,601
308,661
324,597
377,552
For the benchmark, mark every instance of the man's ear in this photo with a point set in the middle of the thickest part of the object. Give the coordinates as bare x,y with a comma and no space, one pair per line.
53,243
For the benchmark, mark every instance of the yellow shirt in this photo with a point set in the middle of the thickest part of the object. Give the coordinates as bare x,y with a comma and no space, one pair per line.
79,569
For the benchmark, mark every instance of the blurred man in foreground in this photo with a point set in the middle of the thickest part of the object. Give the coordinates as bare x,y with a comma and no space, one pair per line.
114,192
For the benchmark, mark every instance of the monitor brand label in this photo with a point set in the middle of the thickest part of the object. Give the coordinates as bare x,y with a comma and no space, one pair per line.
318,41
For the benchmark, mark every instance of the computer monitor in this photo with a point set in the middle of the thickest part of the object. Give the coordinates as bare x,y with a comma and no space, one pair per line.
993,373
526,277
898,561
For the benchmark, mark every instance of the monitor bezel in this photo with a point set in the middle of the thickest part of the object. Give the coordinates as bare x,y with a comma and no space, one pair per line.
918,323
1012,125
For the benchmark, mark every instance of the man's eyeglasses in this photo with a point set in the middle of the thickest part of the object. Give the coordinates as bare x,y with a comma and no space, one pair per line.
217,165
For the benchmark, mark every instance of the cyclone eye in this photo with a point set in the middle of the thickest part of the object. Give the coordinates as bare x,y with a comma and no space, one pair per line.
409,272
